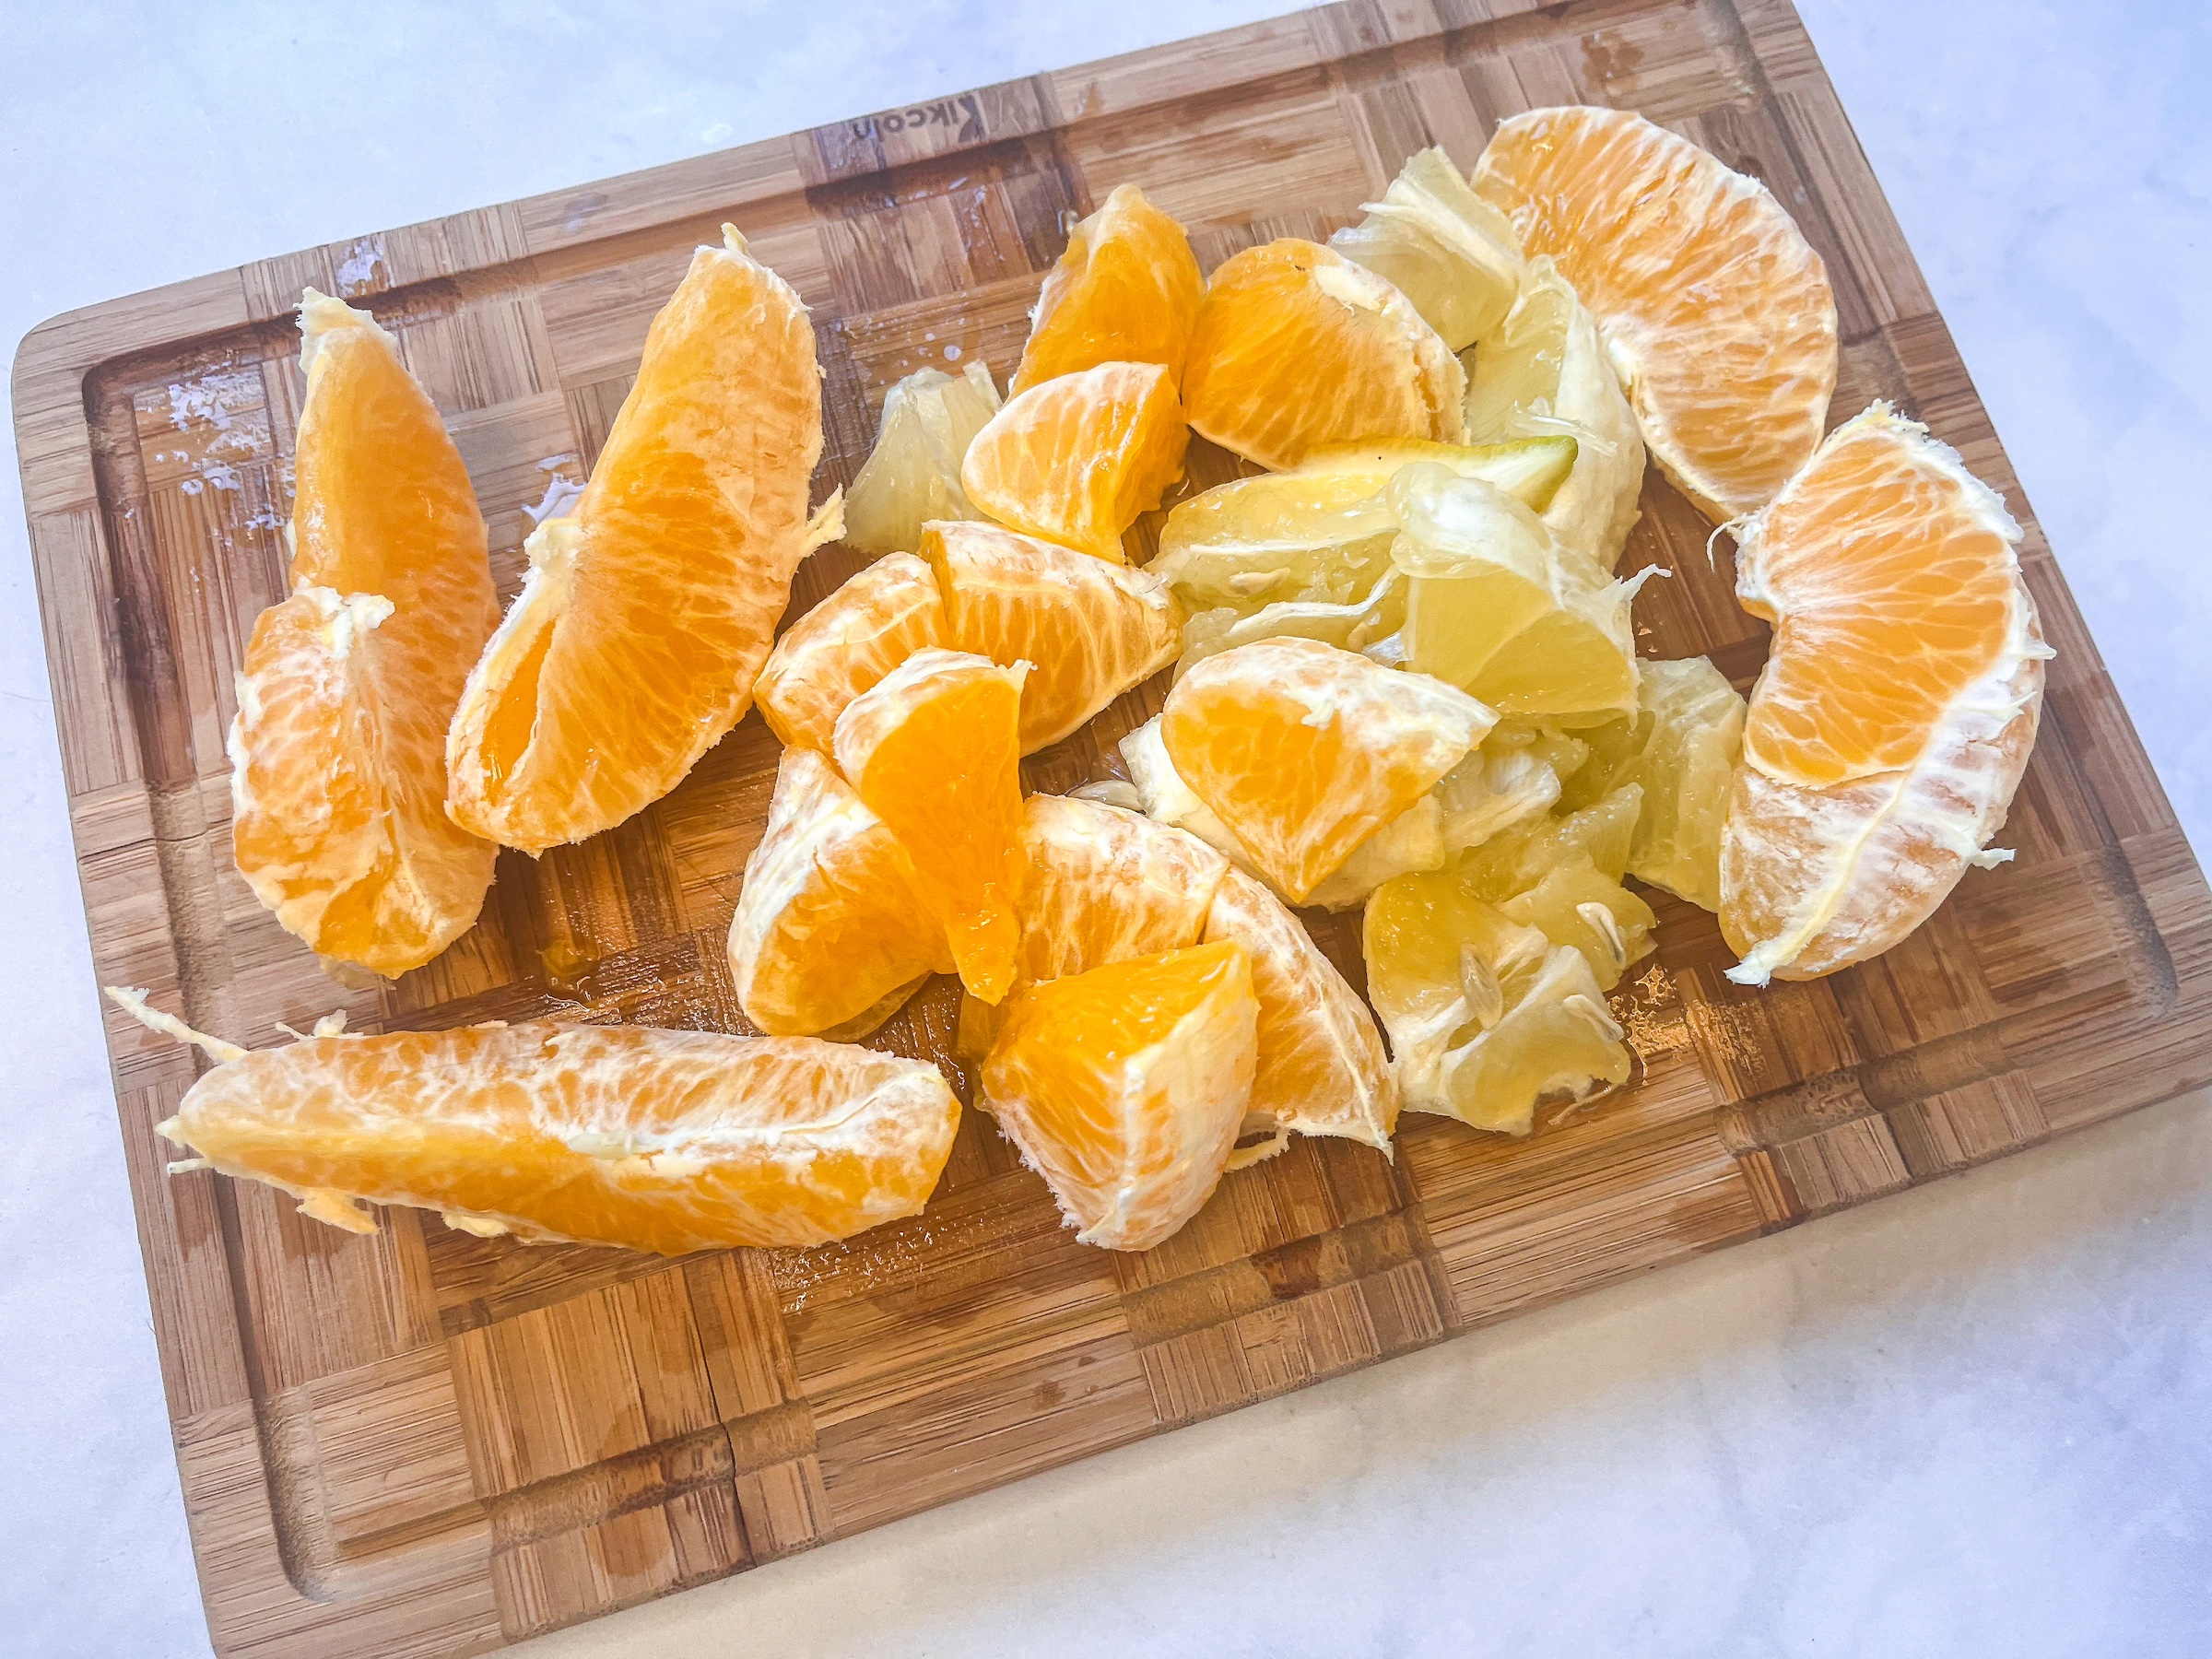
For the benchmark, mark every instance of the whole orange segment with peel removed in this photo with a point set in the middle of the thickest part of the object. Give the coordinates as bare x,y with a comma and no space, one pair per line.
935,750
830,935
647,614
657,1140
1125,291
1303,750
1077,459
1715,310
863,630
1296,348
1089,629
1898,707
337,751
1125,1087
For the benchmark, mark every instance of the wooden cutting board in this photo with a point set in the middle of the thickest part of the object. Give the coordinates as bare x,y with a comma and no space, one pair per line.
424,1442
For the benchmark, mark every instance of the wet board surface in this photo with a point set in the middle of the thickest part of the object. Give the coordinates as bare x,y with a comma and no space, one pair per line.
428,1443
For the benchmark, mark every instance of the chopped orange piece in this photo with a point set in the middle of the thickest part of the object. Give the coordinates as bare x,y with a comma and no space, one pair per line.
1125,1087
935,750
646,617
1896,714
664,1141
1322,1069
1296,348
1079,459
830,937
1088,629
339,749
1303,750
1125,291
877,619
1714,306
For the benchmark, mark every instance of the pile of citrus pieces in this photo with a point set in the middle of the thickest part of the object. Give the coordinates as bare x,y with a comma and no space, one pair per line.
1404,679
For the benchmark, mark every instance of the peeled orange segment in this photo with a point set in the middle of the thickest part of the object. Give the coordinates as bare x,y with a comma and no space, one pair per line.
1297,346
646,617
1125,291
1125,1087
1303,750
1088,629
1488,1020
1543,371
1681,749
934,749
912,474
1716,312
830,937
1077,459
845,645
1321,1067
1105,885
1448,251
1497,608
662,1141
337,751
1895,716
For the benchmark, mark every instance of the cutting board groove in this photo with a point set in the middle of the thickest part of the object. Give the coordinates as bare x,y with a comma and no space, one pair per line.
425,1443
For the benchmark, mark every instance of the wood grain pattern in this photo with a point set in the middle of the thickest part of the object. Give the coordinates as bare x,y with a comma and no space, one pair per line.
424,1442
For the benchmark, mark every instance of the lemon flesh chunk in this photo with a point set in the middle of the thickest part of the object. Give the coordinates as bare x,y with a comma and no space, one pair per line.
1444,248
912,474
1495,607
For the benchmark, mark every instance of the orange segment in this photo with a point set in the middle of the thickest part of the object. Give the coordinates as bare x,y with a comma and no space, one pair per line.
1714,308
845,645
1089,629
665,1141
646,616
1887,570
1896,714
1124,1087
1304,751
1296,347
1077,459
829,935
1321,1067
935,750
1125,291
339,748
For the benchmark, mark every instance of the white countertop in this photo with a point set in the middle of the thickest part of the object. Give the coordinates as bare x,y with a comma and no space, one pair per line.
1974,1419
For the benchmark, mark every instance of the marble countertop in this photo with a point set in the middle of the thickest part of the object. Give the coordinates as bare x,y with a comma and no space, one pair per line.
1974,1419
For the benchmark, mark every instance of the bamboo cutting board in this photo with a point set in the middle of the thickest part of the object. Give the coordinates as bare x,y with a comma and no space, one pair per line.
424,1442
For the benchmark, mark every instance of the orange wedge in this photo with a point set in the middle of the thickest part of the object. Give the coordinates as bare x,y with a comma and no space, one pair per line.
338,752
1077,459
1089,629
664,1141
845,645
1125,291
1895,716
1714,310
646,616
1125,1087
1304,751
935,750
1321,1067
1296,348
1105,885
830,937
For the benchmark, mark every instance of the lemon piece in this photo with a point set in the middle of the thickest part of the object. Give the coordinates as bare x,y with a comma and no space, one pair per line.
1681,749
914,473
1581,906
1529,469
1487,1018
1497,608
1516,859
1446,249
1544,370
1371,626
